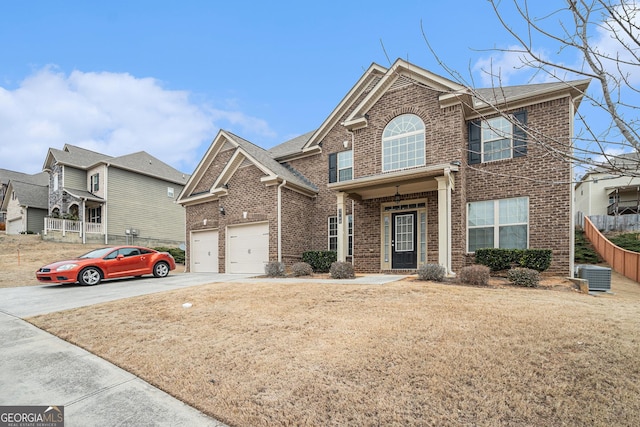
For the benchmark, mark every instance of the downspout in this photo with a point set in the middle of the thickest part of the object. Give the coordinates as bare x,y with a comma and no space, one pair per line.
572,195
284,182
105,213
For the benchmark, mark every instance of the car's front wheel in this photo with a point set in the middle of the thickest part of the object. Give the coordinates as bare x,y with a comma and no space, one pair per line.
161,269
90,276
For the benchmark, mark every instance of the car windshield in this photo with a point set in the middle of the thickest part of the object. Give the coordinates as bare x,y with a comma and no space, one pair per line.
97,253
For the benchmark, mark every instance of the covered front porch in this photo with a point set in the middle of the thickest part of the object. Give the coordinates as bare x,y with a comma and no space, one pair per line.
394,216
79,215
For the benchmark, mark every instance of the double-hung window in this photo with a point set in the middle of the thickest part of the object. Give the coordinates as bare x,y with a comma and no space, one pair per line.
95,182
341,166
498,138
403,143
333,233
498,224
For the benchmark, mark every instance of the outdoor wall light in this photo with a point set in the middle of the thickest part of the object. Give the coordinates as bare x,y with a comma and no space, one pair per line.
222,212
225,186
397,196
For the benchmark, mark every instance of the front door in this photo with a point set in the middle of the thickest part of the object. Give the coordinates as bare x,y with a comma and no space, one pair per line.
404,251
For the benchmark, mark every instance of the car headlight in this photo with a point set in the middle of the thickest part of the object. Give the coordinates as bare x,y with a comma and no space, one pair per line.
66,267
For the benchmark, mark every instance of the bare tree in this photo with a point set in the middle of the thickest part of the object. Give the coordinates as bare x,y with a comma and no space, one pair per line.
602,38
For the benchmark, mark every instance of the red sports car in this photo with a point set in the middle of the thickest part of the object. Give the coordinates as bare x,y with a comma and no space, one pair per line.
108,263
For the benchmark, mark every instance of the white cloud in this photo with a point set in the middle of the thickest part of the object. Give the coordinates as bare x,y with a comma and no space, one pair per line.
112,113
508,67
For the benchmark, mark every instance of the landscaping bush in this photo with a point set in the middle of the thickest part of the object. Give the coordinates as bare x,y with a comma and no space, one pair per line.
476,275
176,253
503,259
301,269
320,261
341,270
535,259
526,277
274,269
433,272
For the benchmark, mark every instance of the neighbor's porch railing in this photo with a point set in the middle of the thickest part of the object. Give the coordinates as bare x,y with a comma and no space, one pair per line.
69,226
621,260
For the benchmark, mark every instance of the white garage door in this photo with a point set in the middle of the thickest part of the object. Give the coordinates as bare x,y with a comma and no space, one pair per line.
14,226
204,252
247,248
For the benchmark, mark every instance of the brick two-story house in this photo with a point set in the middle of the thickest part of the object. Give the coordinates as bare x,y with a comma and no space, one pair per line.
409,168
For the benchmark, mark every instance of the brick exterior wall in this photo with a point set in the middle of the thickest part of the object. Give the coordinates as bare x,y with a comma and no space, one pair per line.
542,177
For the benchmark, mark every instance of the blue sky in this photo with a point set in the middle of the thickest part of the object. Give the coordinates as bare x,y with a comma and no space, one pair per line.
119,77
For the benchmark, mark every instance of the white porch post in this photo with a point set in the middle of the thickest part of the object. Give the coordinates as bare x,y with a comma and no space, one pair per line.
342,250
444,220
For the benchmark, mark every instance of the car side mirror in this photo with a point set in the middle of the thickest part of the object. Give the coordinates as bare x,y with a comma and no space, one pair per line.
119,257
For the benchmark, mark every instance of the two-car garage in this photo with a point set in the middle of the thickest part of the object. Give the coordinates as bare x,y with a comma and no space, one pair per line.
247,249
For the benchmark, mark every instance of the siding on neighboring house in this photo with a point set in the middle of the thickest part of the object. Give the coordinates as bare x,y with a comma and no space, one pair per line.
141,202
75,178
35,220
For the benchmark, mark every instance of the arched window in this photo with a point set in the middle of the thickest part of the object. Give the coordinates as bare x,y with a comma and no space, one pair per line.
403,143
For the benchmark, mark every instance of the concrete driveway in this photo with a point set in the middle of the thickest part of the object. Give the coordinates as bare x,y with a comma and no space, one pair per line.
26,301
40,369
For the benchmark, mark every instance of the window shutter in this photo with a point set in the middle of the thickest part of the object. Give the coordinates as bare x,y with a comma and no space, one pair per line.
333,167
475,142
519,135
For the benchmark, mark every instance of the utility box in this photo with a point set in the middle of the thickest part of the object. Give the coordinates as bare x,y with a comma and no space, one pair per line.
599,278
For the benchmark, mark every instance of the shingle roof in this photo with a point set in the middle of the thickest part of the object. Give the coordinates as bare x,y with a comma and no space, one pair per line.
77,156
140,162
293,146
145,163
32,195
6,175
497,95
265,158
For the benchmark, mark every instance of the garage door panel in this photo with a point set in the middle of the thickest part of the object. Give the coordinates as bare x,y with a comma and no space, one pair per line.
204,252
248,248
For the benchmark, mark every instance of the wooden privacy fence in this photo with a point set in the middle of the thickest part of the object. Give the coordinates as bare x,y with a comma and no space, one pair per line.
621,260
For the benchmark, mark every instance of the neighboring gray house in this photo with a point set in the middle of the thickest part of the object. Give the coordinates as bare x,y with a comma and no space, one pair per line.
23,201
118,200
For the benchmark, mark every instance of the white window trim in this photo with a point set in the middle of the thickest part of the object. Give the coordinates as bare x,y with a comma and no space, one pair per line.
388,139
330,236
500,136
496,221
340,155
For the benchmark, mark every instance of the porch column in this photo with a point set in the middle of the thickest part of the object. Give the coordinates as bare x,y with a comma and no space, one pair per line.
444,220
342,250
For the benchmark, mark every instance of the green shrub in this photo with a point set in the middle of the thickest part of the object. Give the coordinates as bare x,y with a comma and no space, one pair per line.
301,269
176,253
535,259
320,261
584,251
433,272
496,259
503,259
476,275
341,270
274,269
524,277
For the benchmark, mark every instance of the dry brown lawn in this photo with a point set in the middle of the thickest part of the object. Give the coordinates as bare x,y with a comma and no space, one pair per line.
406,353
21,255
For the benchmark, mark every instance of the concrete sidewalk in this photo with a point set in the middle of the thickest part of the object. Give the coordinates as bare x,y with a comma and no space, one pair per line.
41,369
